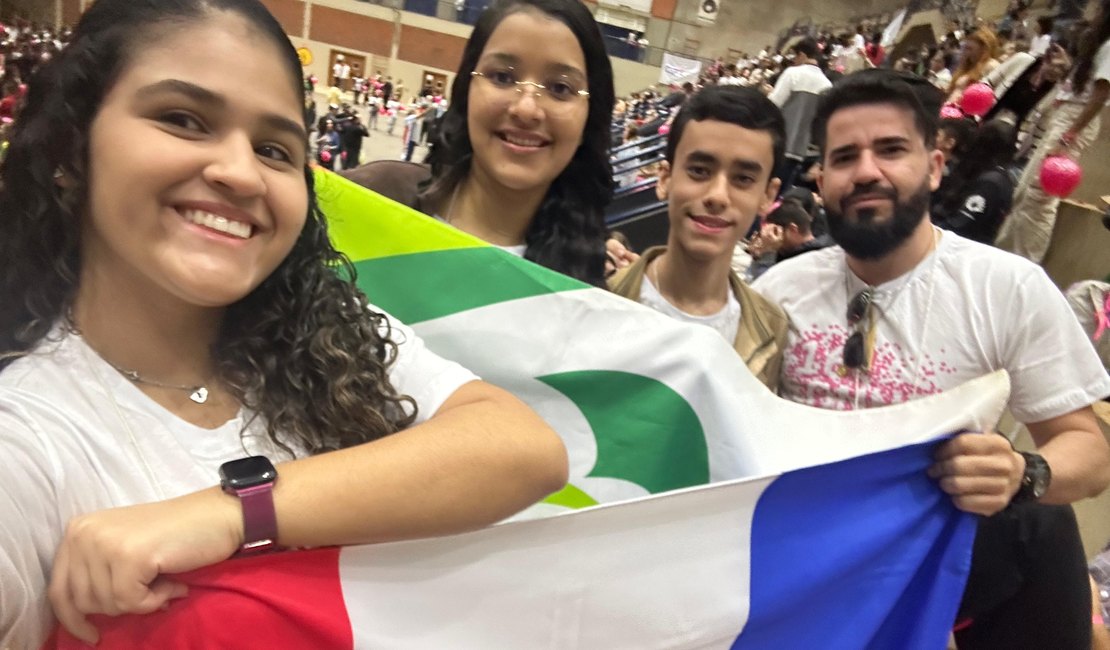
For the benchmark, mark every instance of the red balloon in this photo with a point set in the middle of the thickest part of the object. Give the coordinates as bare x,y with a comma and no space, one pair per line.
665,129
978,98
1060,175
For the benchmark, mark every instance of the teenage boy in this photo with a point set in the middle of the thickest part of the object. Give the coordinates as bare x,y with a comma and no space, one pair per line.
723,146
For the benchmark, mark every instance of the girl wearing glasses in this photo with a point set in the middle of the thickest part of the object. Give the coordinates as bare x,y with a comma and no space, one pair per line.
521,159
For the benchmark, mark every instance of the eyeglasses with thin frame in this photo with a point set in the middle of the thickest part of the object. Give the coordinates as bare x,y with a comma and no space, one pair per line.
558,93
855,348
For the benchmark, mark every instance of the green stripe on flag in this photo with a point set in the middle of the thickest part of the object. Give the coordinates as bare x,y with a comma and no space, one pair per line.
417,268
646,432
423,286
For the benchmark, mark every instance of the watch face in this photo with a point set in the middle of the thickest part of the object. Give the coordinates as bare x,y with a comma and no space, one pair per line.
247,472
1038,475
1040,485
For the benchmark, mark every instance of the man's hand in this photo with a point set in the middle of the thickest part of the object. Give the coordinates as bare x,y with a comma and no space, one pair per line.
771,235
617,256
981,471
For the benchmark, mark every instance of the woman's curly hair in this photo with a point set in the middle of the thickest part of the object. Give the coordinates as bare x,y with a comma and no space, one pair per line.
303,350
568,231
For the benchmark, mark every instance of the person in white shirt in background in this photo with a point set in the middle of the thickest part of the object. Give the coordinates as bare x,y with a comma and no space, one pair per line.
1038,46
796,93
1073,127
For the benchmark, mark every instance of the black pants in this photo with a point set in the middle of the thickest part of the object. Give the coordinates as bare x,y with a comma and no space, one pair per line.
350,160
1028,586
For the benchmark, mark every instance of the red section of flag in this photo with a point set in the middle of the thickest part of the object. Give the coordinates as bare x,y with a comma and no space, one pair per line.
281,600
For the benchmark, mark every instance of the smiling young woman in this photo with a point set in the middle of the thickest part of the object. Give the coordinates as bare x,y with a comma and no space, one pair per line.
171,304
522,156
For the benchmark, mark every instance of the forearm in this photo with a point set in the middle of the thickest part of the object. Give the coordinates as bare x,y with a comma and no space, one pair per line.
1077,453
1094,106
477,461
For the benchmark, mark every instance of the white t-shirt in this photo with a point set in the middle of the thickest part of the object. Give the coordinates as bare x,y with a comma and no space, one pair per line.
1039,45
988,310
1099,70
726,321
77,437
805,78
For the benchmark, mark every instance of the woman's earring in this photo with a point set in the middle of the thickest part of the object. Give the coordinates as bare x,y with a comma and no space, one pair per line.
58,173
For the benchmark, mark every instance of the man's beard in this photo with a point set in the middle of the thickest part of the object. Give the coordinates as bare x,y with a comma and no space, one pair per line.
868,239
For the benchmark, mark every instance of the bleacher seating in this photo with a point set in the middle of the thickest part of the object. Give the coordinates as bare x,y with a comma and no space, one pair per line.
636,210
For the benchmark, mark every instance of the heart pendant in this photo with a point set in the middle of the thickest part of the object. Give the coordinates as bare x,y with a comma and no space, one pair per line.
200,395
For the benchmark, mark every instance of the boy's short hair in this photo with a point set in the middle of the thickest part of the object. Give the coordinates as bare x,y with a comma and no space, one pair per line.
808,47
744,107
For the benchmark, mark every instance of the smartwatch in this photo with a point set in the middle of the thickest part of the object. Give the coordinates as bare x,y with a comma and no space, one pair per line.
252,480
1035,481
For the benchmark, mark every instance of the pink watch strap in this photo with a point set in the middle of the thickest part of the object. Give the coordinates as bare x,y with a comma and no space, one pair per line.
259,518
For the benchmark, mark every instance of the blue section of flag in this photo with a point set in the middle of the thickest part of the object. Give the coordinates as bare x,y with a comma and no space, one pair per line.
865,553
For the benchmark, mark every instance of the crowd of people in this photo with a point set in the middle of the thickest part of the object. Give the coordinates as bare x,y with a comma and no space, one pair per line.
1046,103
23,47
170,304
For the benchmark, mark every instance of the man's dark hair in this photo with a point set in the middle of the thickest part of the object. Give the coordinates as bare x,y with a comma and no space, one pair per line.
808,47
877,86
802,197
961,130
790,213
744,107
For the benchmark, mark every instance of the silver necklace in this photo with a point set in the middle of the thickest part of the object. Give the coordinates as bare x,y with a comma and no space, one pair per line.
655,277
150,475
916,376
197,392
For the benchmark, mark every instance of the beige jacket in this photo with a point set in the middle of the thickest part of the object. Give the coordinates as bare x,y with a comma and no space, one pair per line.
761,337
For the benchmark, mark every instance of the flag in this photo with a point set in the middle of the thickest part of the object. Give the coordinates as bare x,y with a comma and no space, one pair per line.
722,515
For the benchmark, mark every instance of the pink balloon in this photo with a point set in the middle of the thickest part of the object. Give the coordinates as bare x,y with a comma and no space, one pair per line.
665,129
325,156
951,111
1060,175
978,98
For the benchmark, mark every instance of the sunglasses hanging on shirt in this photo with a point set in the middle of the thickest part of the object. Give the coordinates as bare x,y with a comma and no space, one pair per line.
860,346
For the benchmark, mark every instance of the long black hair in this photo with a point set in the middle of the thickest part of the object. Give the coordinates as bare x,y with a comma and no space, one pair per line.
302,350
567,233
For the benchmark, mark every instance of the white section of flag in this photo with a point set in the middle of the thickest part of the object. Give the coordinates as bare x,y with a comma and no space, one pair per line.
749,430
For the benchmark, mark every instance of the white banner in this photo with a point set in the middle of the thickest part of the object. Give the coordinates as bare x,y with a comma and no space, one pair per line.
641,6
678,69
707,10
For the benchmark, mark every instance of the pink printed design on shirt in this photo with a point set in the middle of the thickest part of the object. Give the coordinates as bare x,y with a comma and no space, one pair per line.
815,374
